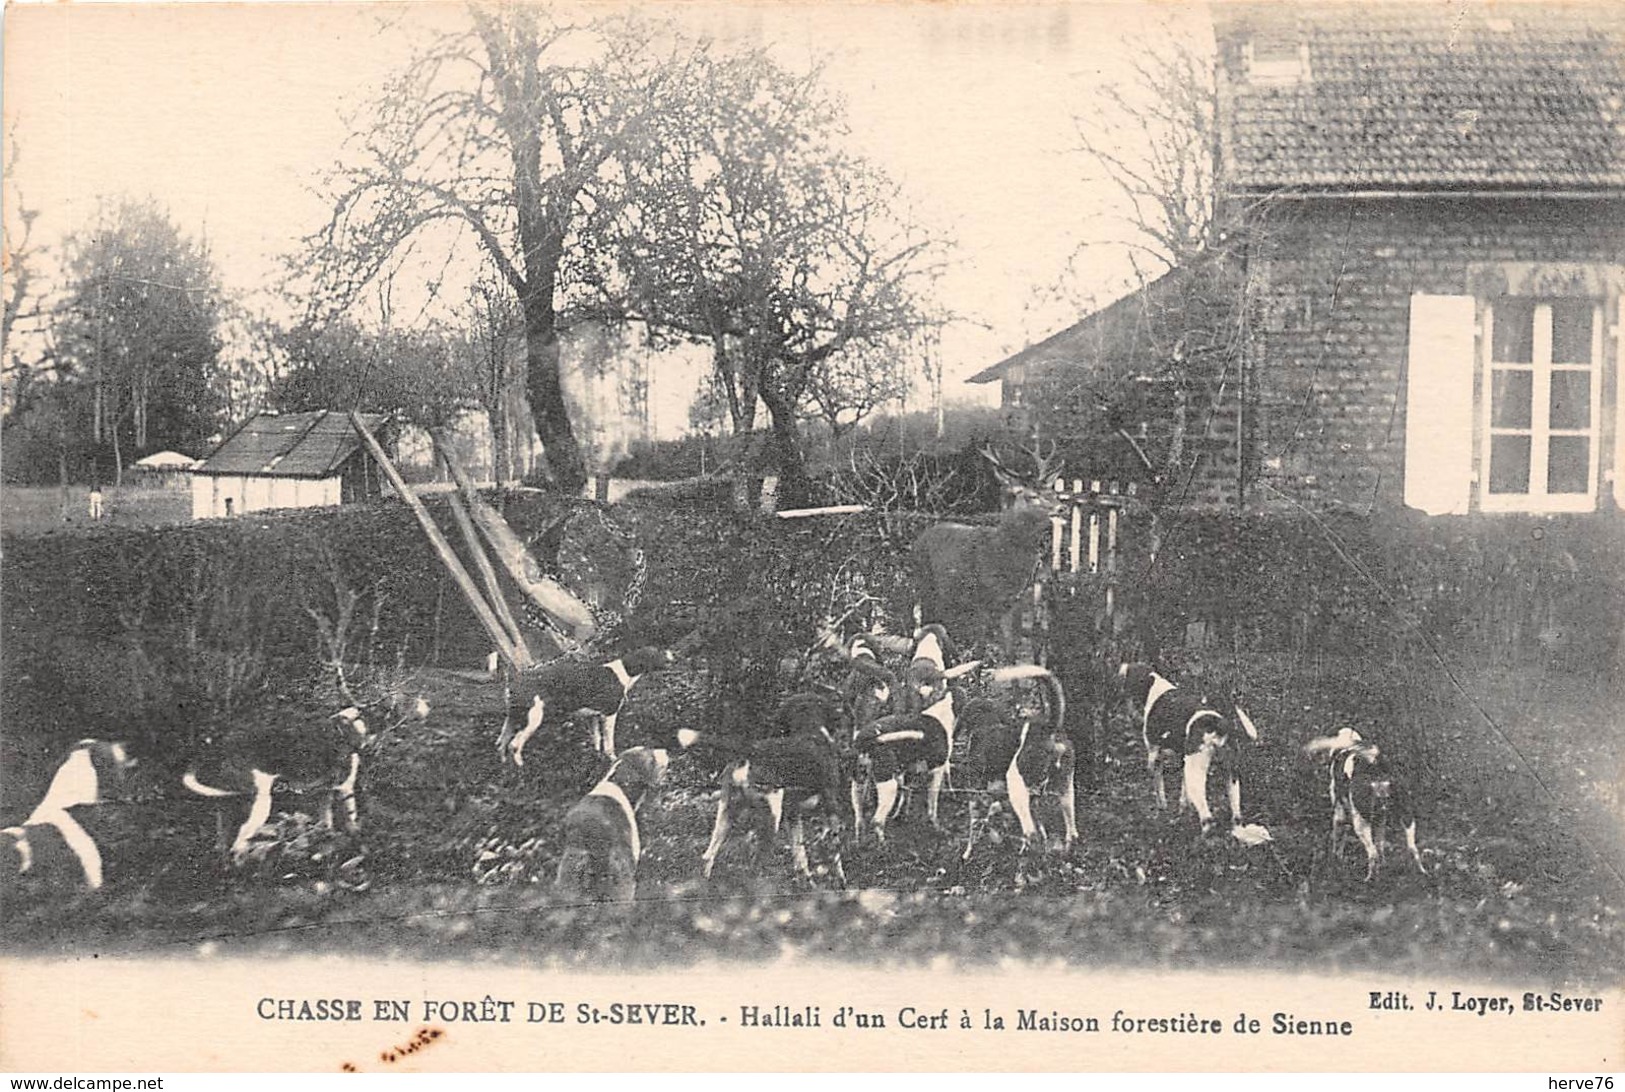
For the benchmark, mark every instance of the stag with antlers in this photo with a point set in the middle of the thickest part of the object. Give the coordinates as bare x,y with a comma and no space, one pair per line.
971,578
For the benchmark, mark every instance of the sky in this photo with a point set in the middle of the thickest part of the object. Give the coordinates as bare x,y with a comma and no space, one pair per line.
229,115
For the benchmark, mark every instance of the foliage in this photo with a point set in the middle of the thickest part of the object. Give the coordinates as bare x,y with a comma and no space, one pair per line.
944,483
450,838
170,629
962,426
423,376
674,460
751,593
1482,592
136,338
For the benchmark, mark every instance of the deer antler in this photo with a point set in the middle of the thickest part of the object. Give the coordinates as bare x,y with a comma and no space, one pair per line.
1046,465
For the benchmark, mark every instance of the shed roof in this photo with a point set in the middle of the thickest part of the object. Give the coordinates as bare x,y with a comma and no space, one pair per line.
166,460
288,445
1413,96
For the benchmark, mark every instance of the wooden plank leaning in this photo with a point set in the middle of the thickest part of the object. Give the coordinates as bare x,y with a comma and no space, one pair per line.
557,601
488,575
518,656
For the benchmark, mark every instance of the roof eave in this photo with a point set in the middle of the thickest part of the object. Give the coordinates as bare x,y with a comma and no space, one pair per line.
1368,192
996,371
262,474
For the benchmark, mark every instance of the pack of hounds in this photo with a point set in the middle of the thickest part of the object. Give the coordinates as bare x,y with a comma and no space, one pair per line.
852,754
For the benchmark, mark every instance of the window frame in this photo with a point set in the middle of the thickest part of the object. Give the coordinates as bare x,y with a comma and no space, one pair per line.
1276,59
1540,431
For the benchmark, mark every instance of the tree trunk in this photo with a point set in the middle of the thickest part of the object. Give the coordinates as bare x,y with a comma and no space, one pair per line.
521,429
498,411
543,379
62,470
795,486
543,383
1176,443
540,203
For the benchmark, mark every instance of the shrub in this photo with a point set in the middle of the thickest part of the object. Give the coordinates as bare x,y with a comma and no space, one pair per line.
144,634
1490,591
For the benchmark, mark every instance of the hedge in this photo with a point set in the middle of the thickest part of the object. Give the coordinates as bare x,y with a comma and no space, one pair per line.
153,635
1503,590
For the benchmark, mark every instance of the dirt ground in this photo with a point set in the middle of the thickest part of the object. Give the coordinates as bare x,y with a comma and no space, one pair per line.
1520,831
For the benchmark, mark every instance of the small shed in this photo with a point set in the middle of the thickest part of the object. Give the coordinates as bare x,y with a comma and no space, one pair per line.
287,460
165,469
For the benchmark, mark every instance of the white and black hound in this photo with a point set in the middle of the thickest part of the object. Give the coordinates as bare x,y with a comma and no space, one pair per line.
1366,793
869,685
566,688
1177,723
602,844
1023,750
793,774
900,742
322,758
53,840
928,675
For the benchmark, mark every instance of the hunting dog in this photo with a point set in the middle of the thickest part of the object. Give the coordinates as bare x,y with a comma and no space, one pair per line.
902,742
324,759
1175,723
792,775
1366,793
869,685
52,840
566,688
928,674
819,710
1021,747
602,843
926,679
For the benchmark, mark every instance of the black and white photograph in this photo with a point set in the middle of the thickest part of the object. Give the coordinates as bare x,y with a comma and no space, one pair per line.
897,535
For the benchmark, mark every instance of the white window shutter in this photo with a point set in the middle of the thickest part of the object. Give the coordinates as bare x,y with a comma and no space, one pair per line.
1439,405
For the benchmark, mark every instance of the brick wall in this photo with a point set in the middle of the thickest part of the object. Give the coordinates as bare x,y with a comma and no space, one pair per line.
1135,369
1331,281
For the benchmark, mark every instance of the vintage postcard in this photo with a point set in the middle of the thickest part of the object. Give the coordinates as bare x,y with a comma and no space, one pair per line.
813,537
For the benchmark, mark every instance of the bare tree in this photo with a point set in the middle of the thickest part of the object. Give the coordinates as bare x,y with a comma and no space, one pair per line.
1155,139
21,252
1188,310
502,136
494,323
856,383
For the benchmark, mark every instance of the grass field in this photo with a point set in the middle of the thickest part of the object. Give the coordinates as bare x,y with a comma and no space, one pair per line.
458,851
34,509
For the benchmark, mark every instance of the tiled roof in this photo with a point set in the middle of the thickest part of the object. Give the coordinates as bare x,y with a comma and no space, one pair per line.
1133,333
1083,340
288,445
1452,95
